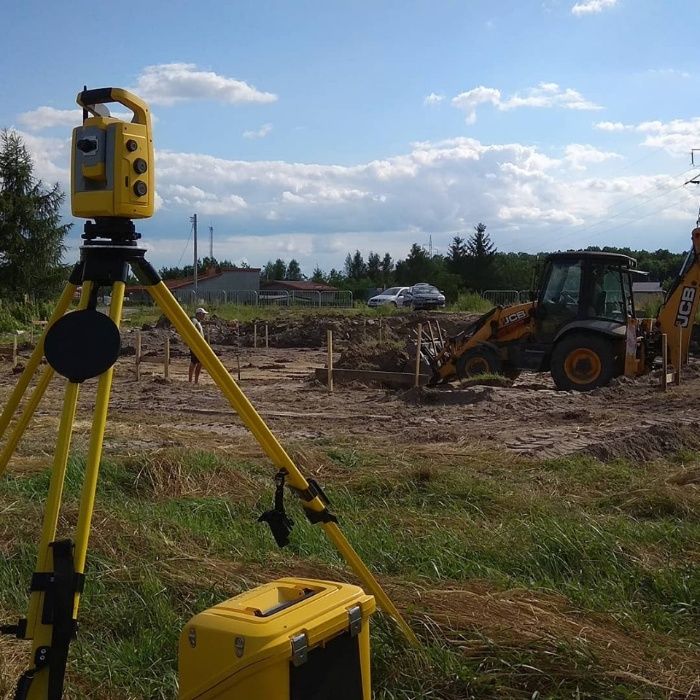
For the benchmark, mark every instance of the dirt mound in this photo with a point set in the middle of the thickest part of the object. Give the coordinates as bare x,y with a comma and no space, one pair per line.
655,442
451,397
386,357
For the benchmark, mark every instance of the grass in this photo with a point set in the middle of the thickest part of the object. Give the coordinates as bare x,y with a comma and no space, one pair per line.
567,578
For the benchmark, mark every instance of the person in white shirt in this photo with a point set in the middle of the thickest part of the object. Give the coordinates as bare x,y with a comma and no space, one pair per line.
195,365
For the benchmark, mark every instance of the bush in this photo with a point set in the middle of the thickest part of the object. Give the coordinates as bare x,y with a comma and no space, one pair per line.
15,315
472,302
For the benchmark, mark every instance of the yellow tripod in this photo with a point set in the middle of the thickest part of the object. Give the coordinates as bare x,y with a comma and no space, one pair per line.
85,344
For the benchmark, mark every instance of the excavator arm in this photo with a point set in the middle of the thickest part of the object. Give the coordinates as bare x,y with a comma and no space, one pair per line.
677,314
480,343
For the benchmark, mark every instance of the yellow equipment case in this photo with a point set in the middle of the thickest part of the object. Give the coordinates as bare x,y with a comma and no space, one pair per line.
291,639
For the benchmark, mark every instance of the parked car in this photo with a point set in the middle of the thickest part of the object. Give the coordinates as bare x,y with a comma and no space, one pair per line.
424,296
396,296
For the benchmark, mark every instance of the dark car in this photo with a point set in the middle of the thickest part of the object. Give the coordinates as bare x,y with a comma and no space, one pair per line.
424,296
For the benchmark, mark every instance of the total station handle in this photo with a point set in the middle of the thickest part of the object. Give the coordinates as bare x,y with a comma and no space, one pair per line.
87,99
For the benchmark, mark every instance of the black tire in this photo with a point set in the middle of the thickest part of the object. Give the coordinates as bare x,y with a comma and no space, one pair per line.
583,361
477,361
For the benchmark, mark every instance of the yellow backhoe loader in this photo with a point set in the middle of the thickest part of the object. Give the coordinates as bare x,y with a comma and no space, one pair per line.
581,325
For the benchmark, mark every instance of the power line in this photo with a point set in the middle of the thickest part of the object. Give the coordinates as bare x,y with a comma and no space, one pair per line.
182,255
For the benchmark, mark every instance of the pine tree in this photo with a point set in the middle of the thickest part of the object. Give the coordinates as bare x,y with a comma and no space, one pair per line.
355,266
457,254
387,268
481,254
31,233
374,263
318,275
479,244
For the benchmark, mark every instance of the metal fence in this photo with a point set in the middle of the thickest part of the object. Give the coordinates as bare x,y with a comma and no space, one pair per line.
502,297
249,297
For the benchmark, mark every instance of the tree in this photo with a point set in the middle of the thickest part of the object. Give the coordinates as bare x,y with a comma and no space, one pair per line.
458,258
387,268
31,233
355,266
374,263
481,253
293,271
317,275
279,269
417,267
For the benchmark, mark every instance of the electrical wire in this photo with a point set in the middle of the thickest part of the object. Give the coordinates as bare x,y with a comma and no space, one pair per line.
187,245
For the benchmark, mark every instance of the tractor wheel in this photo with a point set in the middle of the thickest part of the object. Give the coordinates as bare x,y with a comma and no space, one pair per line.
583,361
477,361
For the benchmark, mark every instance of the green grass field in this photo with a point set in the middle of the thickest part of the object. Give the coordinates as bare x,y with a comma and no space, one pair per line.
566,578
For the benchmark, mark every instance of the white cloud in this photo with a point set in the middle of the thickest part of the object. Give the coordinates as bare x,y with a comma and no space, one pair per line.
433,99
668,73
49,117
612,126
591,7
316,212
170,83
260,133
676,137
581,155
544,95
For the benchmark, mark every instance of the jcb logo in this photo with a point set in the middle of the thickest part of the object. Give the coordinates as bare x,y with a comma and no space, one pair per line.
517,316
685,308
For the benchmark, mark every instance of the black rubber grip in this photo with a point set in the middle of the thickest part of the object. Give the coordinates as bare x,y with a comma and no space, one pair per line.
97,96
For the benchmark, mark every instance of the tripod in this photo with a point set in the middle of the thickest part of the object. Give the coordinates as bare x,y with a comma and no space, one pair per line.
85,344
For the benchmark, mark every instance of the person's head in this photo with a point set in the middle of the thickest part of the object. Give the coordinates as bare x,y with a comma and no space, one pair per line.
201,313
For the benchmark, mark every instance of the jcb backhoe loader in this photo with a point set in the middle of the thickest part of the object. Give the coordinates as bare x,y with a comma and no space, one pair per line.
581,326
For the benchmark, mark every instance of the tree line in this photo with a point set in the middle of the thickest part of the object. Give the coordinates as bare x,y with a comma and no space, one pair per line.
472,264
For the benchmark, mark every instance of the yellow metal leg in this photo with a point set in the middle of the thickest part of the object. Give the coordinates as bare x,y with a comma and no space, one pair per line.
34,360
92,466
25,417
262,433
37,631
39,389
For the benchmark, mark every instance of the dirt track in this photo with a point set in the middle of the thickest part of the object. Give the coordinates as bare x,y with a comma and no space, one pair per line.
631,418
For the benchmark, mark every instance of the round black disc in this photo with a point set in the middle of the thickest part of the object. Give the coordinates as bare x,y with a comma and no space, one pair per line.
82,345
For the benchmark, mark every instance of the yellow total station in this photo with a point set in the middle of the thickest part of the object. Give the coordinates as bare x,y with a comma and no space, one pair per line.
112,172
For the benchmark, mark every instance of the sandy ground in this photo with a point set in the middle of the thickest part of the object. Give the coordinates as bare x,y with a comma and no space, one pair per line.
631,418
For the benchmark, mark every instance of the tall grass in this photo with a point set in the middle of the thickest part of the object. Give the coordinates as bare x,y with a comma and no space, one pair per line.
471,302
176,532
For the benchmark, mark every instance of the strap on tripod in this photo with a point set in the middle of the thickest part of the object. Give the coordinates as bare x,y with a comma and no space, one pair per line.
278,520
59,588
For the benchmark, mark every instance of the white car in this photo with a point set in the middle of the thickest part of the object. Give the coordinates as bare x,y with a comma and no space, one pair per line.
395,296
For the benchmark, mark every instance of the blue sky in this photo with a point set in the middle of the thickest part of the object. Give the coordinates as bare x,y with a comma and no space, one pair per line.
310,129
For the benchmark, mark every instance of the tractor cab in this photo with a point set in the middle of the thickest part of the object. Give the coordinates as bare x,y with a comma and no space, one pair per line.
583,289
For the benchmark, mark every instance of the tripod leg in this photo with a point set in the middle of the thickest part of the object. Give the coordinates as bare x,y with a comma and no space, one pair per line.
34,360
251,418
38,628
92,466
25,417
39,389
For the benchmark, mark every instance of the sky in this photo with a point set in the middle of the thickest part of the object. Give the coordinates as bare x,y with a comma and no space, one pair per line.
311,129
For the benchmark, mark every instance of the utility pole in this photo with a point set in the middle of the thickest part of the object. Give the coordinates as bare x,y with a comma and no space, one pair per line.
211,242
193,219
